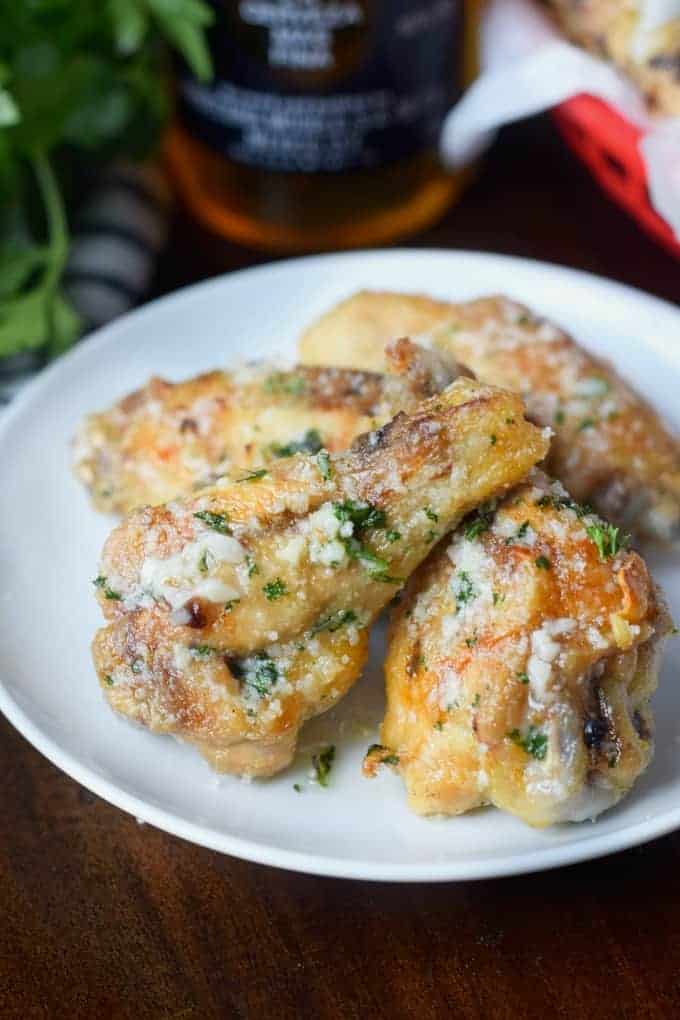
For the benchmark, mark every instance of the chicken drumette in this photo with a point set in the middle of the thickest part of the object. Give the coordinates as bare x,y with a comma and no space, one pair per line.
521,662
239,613
610,448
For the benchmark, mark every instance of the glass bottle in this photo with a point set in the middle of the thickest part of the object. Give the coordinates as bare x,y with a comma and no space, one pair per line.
320,127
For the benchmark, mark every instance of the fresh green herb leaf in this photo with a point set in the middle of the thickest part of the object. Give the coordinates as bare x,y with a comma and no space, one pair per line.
478,524
253,476
334,622
297,787
542,562
202,651
493,439
323,462
534,742
251,565
498,599
108,680
218,522
559,417
522,677
361,515
309,443
392,536
463,590
522,530
607,539
430,514
203,562
275,589
101,582
323,763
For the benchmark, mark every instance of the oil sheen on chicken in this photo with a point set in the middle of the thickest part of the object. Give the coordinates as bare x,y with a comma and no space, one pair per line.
521,662
169,438
237,614
610,448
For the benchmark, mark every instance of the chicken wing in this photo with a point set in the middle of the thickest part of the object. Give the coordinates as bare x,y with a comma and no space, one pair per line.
168,438
610,448
239,613
521,662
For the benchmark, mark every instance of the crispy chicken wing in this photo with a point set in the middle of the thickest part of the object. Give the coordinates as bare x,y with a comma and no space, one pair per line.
521,663
237,614
167,438
640,37
610,448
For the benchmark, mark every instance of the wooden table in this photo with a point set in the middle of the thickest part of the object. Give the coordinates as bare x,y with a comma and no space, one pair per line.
101,917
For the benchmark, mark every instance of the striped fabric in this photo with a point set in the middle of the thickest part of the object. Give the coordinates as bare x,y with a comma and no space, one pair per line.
117,238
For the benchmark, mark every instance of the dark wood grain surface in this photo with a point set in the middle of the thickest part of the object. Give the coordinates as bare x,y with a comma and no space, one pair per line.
103,917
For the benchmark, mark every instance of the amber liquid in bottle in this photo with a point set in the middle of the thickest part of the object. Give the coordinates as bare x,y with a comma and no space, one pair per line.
320,128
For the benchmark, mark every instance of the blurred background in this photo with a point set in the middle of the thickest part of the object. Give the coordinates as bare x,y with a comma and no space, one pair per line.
147,144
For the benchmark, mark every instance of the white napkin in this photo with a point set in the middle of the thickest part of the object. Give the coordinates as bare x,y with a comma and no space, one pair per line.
528,67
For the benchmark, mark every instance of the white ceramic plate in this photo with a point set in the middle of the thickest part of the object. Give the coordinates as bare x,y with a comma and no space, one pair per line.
50,540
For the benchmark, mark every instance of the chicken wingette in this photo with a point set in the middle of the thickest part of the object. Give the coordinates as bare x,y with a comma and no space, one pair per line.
168,438
521,661
239,613
610,448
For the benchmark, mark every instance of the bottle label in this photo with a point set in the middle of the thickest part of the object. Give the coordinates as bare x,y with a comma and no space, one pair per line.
326,85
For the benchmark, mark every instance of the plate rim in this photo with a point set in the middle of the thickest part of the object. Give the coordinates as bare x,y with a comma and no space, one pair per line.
525,862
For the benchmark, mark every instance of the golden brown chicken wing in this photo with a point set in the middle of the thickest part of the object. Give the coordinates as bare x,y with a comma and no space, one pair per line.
239,613
634,35
521,662
167,438
610,448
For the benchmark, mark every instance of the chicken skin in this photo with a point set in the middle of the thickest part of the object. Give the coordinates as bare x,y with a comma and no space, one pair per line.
168,438
610,448
239,613
521,661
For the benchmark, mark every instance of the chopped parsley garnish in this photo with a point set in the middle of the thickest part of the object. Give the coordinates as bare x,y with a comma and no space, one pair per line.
202,651
251,565
388,758
587,423
493,439
476,700
361,515
228,606
376,566
522,677
203,562
564,502
430,514
542,562
218,522
323,763
471,641
606,538
392,536
431,536
522,530
559,417
465,591
498,598
286,384
323,462
534,743
334,622
101,582
310,443
108,680
297,787
253,476
274,589
478,524
258,673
